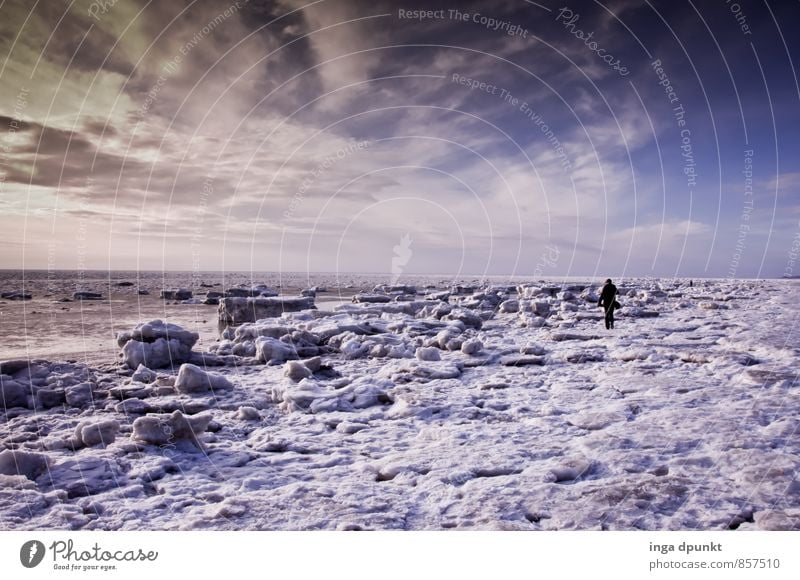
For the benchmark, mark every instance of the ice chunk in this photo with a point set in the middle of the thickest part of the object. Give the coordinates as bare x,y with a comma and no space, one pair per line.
15,462
236,310
311,397
49,398
584,356
354,348
510,305
562,336
296,371
570,469
156,344
778,520
155,329
594,420
531,320
247,413
636,312
518,360
163,429
79,395
86,296
82,476
466,316
176,294
193,379
14,393
471,346
101,432
16,295
412,370
372,298
428,353
132,391
133,407
536,349
142,374
273,351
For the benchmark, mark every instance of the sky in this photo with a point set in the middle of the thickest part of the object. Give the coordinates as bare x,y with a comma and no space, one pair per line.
507,138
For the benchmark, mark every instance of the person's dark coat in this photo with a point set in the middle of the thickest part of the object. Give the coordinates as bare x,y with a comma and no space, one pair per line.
608,296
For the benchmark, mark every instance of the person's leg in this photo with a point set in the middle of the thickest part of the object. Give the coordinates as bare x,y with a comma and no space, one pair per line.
611,316
609,313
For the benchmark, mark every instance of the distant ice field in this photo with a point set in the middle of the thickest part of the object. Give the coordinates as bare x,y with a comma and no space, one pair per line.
429,404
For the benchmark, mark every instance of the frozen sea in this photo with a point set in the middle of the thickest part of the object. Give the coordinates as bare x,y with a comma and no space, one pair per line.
456,404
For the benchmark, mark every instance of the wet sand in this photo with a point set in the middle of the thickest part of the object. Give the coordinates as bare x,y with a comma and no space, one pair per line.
54,326
85,331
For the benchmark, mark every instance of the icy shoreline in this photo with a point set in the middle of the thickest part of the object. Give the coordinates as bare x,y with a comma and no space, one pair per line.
487,407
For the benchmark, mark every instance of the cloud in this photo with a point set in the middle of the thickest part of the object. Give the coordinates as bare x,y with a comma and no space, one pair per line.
785,184
159,120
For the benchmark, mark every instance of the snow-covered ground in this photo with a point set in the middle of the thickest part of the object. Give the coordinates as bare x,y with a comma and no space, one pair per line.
487,408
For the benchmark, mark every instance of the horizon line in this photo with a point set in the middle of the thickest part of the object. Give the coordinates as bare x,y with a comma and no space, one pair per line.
388,274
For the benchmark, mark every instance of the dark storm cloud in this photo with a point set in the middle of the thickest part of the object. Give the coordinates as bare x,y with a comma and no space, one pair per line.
58,158
19,126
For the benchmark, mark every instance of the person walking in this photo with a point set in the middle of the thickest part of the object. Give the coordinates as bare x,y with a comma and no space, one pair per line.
608,300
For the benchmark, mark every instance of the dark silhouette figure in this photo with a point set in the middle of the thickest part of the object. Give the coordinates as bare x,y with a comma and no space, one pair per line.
608,300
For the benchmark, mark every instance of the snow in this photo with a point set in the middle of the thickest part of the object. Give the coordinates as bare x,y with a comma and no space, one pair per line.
449,412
